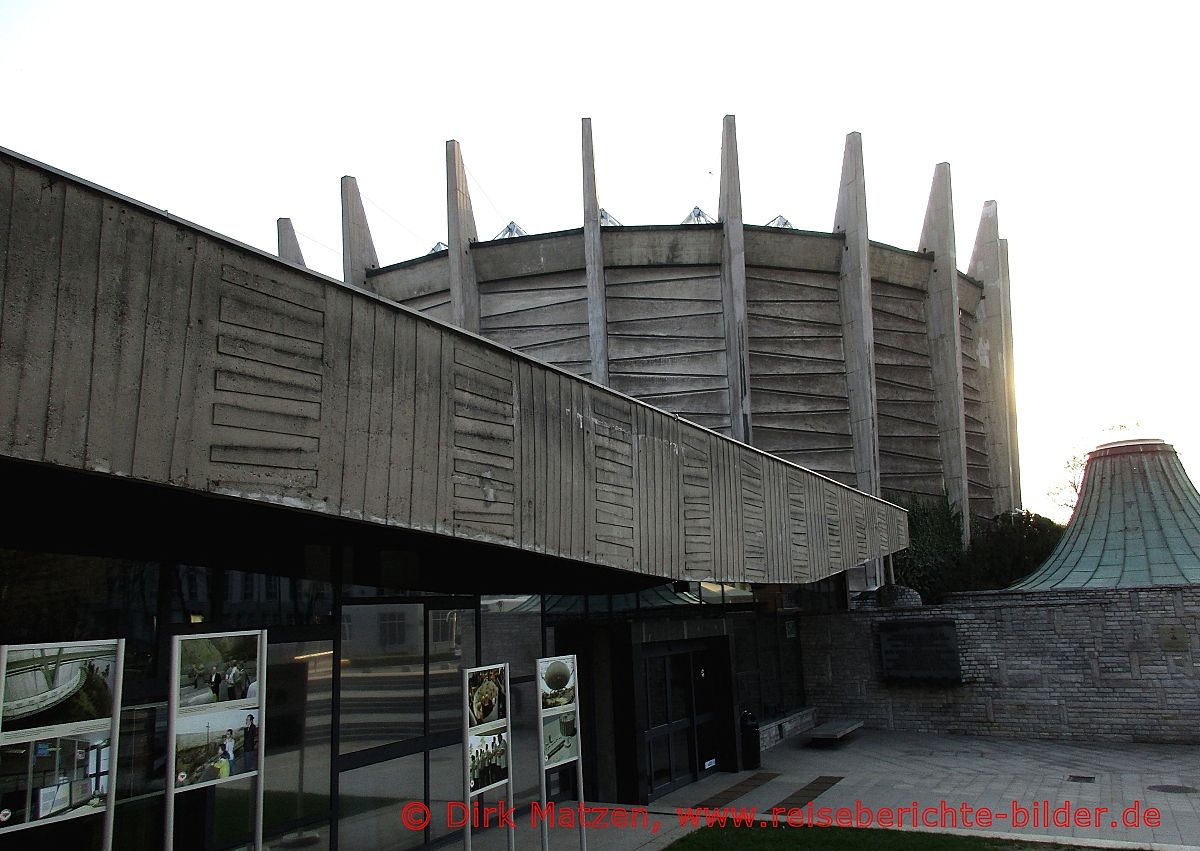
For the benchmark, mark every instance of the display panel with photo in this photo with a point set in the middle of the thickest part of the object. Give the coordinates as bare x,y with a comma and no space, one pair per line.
487,700
217,669
59,777
488,757
560,738
53,688
216,744
556,682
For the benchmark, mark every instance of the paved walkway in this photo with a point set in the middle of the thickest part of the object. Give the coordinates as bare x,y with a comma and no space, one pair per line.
882,769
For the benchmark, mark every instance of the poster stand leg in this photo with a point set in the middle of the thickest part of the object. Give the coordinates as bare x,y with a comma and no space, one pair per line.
466,755
579,785
172,712
509,754
261,744
114,742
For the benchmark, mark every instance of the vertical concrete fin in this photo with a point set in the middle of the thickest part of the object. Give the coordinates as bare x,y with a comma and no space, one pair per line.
1010,378
289,246
464,286
858,330
358,249
945,342
995,357
733,284
858,333
593,253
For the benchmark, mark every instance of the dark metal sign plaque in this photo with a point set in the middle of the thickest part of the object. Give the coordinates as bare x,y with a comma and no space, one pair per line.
919,651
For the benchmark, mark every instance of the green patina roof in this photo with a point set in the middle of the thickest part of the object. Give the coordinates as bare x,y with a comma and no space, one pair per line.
1137,523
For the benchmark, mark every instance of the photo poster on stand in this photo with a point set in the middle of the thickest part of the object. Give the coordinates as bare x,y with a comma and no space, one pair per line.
558,727
217,704
60,711
487,738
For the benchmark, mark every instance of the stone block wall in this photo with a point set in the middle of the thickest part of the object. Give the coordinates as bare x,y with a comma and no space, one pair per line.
1115,664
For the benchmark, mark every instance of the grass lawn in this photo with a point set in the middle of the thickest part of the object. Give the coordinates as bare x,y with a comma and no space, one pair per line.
848,839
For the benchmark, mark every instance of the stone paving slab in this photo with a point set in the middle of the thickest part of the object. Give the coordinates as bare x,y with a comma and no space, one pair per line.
887,769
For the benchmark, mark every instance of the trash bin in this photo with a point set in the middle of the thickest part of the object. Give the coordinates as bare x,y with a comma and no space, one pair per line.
751,753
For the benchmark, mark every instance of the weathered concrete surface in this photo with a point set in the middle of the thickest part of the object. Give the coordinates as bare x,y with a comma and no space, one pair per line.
464,285
135,344
358,249
994,353
733,285
593,252
858,334
945,345
289,246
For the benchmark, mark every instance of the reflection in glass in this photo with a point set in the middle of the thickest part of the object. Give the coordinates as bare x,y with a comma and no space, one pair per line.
526,728
451,648
445,785
215,816
660,762
512,630
371,800
313,837
141,762
656,691
681,753
382,675
299,691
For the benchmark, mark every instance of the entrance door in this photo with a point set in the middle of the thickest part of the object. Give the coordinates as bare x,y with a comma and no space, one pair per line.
679,724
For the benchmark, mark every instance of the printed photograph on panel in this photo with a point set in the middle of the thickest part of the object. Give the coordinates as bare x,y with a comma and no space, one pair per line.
215,745
56,685
487,704
560,738
556,681
489,760
59,777
217,669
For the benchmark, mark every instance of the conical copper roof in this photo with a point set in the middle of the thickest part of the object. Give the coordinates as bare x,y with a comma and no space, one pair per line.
1137,523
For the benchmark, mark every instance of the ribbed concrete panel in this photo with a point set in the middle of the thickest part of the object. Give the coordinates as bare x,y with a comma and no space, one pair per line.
544,316
979,474
135,344
909,454
666,341
798,370
1137,523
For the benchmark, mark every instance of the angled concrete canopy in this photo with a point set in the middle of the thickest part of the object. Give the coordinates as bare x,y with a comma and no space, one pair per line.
1137,523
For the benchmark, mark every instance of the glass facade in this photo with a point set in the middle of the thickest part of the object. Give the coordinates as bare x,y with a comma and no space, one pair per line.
367,640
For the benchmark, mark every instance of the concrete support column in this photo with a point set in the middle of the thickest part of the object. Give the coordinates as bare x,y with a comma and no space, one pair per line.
945,342
358,249
1010,378
733,285
289,246
460,217
858,333
858,328
593,254
995,359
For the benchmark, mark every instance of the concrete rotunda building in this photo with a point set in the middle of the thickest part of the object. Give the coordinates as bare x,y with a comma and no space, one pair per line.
884,368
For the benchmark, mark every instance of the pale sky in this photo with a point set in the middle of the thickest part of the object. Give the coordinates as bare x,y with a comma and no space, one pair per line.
1078,119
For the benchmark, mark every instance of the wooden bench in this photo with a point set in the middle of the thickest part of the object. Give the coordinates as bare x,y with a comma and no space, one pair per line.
832,731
